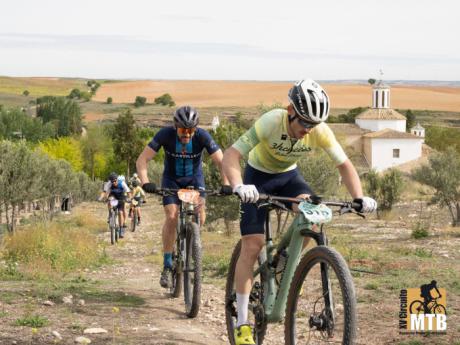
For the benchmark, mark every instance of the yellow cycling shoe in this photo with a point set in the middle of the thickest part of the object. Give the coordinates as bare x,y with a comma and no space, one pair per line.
243,335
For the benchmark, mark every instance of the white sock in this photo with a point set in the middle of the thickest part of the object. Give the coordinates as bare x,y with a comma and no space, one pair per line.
242,301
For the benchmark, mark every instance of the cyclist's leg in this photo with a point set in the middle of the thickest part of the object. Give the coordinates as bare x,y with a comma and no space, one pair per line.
297,187
251,246
198,182
168,233
123,212
252,230
121,207
169,227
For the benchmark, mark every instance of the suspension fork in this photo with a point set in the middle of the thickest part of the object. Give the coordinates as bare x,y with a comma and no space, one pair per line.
321,240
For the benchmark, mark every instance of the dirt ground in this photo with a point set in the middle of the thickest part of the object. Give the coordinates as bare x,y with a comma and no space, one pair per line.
147,315
251,93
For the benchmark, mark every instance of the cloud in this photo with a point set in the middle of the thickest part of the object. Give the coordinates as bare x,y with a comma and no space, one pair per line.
142,45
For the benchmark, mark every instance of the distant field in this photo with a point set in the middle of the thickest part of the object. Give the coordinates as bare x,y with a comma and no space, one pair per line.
247,94
40,86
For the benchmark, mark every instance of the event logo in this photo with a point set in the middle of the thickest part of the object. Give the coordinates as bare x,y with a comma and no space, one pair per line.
423,309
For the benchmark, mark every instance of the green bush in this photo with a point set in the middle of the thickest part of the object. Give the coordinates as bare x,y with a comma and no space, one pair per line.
26,93
419,231
386,189
165,100
140,101
109,100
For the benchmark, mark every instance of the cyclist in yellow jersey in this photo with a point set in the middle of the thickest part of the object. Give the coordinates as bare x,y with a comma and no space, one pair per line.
273,145
138,194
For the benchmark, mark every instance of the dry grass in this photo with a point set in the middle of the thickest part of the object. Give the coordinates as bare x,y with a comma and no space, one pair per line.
44,250
241,93
40,86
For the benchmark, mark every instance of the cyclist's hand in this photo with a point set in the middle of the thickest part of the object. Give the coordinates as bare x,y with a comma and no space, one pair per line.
149,187
247,192
368,205
226,190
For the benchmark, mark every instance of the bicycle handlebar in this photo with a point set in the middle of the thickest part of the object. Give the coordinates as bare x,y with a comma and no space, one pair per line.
172,191
345,206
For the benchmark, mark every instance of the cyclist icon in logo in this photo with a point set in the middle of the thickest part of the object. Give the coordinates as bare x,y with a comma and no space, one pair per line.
429,305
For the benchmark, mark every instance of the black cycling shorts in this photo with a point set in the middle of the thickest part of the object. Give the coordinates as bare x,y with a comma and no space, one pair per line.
290,184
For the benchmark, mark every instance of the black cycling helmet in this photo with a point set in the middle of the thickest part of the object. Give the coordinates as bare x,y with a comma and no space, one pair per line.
186,117
113,176
135,183
433,282
310,101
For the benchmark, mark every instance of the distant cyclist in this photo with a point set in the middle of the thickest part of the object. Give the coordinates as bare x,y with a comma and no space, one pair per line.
116,187
135,177
138,195
274,144
183,144
425,292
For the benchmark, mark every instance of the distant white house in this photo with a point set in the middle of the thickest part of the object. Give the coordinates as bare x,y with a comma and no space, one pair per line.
380,134
418,130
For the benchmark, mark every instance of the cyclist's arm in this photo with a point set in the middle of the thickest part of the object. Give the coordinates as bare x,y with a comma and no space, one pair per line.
231,166
217,160
142,163
439,294
351,179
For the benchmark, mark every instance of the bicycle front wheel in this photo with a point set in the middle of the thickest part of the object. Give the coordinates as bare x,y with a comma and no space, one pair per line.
192,270
321,306
133,220
113,227
176,274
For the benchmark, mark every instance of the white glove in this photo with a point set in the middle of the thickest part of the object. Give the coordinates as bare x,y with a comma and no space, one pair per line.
247,192
368,205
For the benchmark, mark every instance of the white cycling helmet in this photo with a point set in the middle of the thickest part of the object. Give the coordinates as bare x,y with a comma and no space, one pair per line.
309,100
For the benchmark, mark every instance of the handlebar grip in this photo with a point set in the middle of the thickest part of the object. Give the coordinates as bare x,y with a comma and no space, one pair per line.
356,206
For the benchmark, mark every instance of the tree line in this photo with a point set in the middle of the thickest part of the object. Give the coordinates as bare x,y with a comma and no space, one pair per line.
31,176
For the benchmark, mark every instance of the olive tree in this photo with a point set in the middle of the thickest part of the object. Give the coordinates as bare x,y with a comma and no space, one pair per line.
442,173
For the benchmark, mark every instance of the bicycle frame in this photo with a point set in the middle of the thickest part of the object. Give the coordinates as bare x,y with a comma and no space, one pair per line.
275,297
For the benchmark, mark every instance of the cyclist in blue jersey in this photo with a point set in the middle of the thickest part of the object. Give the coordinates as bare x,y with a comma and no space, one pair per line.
183,144
117,187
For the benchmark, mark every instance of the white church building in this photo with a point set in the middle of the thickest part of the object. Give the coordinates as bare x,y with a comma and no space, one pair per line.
383,139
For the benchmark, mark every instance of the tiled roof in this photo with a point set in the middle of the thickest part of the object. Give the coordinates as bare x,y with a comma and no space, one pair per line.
347,128
390,134
380,114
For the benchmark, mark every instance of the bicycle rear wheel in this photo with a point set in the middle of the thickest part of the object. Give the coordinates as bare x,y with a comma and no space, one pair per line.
321,306
256,311
192,270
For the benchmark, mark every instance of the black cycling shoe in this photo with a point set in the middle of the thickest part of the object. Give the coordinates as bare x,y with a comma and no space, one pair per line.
165,279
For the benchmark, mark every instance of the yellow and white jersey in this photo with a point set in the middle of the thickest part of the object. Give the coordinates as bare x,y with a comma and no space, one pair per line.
271,150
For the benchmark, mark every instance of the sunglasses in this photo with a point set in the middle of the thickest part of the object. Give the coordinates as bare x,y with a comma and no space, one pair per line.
306,124
184,131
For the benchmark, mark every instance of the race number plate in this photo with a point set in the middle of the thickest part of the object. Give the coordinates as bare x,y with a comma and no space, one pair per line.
189,196
316,213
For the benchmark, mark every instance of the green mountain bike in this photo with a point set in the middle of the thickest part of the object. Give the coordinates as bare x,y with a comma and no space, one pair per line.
313,293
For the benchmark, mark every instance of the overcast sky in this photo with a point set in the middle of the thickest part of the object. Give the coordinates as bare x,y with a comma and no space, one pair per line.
245,40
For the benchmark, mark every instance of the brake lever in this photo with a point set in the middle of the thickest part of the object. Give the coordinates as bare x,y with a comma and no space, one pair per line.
349,209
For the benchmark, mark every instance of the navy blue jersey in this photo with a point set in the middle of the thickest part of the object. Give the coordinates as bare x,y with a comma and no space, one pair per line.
183,160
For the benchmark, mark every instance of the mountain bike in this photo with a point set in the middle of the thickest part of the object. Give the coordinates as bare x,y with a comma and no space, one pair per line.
417,307
134,205
314,294
113,220
187,254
